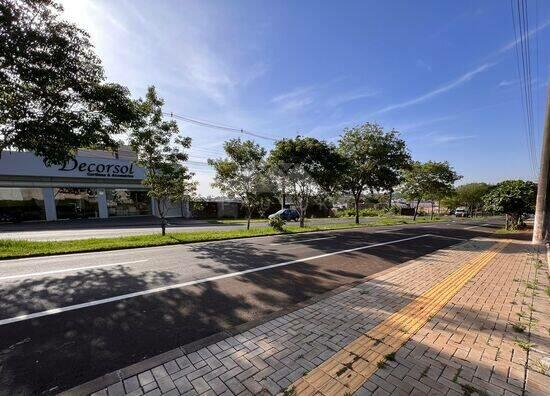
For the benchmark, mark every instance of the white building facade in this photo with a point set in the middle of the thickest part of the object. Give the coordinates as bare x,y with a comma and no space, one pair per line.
95,184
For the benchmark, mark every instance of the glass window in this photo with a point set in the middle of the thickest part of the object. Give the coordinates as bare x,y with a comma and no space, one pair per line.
76,203
121,202
20,204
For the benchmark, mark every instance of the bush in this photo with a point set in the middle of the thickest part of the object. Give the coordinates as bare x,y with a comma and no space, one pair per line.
277,223
370,212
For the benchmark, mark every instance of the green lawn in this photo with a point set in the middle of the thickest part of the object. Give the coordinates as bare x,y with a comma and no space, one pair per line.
15,249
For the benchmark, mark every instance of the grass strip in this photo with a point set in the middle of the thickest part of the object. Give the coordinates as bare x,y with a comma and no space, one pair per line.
10,249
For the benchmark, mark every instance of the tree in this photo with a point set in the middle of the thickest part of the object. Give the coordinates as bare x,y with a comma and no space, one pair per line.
471,195
428,180
306,166
515,198
374,159
243,174
53,94
161,152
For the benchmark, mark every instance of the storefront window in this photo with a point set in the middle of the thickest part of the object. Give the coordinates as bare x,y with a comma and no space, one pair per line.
21,204
76,203
121,202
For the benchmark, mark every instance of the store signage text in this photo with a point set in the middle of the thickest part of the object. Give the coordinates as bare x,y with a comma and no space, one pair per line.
98,169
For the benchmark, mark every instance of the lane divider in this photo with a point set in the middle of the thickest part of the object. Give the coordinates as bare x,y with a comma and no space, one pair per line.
349,368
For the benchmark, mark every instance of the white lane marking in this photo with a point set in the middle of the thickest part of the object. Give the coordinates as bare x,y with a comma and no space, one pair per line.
54,311
69,270
469,228
303,240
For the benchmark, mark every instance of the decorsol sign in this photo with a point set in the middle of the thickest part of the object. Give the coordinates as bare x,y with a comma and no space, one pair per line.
98,169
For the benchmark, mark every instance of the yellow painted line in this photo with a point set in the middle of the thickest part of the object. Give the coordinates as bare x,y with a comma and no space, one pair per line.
350,367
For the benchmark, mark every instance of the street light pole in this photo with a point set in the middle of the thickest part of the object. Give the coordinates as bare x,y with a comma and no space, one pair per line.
541,230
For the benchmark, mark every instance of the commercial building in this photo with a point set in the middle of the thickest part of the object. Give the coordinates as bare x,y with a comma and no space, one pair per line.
95,184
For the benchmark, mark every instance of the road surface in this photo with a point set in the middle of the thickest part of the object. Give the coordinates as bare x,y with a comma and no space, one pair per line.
65,320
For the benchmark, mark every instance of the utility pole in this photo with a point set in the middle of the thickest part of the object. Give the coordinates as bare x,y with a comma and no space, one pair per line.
541,231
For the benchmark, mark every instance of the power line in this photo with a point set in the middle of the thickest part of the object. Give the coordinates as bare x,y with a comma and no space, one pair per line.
523,64
226,128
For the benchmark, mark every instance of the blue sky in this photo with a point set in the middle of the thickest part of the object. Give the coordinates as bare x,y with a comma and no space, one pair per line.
443,73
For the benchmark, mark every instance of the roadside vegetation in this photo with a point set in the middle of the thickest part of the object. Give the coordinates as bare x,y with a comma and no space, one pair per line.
10,249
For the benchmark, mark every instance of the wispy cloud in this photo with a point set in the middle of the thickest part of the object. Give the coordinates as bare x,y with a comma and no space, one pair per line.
452,138
296,99
423,123
438,91
302,97
346,97
421,64
507,83
510,45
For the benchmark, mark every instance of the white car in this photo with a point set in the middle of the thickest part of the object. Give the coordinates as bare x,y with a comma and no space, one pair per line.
461,212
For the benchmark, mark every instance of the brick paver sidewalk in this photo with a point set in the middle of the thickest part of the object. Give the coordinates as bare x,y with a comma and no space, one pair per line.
471,319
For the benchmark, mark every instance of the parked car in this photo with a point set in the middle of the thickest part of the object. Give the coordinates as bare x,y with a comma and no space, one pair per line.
286,214
461,212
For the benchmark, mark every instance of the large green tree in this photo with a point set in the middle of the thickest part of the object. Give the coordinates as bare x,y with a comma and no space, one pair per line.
515,198
53,94
471,195
162,153
429,180
374,161
243,174
306,167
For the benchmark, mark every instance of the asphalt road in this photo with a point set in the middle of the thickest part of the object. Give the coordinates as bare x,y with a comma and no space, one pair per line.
109,228
68,319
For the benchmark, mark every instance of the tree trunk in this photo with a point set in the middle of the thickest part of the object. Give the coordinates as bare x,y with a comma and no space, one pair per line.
432,215
416,209
163,226
389,200
249,215
357,209
506,226
302,220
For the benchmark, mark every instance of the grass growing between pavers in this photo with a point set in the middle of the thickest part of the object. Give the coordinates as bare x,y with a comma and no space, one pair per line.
20,248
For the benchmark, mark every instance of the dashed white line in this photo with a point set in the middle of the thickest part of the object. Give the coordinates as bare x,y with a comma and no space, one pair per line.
55,311
34,274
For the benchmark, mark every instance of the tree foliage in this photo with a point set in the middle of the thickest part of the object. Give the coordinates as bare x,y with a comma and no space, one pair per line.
374,160
429,180
515,198
162,153
471,195
306,167
53,94
243,174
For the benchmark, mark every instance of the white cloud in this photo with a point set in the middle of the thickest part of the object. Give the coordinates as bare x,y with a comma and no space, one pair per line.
452,138
346,97
296,99
442,89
